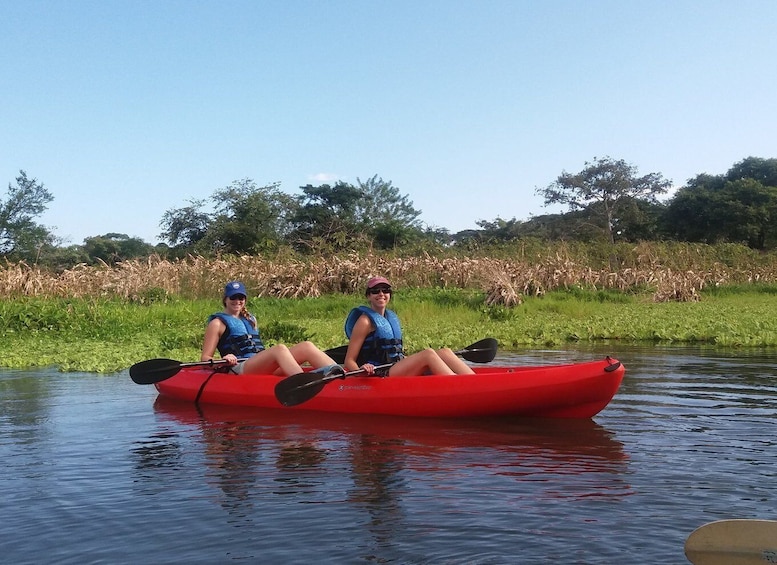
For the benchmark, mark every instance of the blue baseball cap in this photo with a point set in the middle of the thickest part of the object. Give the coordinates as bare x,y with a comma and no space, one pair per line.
233,288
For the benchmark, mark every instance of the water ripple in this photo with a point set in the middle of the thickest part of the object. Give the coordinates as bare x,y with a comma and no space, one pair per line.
113,476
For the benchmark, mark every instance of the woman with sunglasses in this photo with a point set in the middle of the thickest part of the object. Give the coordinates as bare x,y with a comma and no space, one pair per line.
235,334
375,338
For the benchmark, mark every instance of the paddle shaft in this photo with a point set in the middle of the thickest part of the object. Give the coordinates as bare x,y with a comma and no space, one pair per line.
482,351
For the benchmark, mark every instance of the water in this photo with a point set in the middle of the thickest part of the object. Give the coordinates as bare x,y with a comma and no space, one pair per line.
97,470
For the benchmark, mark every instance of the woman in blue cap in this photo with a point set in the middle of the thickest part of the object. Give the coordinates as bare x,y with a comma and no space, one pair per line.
235,334
375,338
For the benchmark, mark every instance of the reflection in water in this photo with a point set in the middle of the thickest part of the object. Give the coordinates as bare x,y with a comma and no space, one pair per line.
582,449
690,437
231,454
378,484
162,450
381,446
382,464
297,461
24,403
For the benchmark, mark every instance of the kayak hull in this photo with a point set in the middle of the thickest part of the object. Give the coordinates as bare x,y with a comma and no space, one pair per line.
579,390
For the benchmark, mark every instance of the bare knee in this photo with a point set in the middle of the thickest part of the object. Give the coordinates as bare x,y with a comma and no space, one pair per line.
279,348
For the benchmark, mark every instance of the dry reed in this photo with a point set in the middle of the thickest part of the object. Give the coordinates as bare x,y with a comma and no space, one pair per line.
503,281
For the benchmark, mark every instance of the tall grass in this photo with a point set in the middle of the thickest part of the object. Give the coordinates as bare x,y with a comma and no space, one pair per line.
104,318
505,275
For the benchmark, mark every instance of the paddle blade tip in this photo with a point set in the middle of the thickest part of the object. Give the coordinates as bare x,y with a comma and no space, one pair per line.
733,542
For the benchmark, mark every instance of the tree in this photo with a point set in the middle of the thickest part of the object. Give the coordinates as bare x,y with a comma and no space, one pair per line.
499,229
185,227
249,218
740,206
752,210
346,216
113,248
641,220
246,219
328,216
691,214
388,216
19,234
761,170
605,188
382,202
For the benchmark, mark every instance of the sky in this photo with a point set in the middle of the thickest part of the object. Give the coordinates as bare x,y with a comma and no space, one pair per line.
127,109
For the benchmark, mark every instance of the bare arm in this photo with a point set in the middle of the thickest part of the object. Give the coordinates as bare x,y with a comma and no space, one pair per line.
213,333
361,329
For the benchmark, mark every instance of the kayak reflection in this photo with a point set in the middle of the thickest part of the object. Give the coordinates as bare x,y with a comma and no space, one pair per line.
511,447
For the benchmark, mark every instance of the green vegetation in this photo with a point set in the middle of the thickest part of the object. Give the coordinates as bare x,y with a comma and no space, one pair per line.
618,265
609,205
106,335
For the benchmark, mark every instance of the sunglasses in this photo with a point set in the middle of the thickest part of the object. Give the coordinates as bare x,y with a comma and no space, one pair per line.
379,290
237,297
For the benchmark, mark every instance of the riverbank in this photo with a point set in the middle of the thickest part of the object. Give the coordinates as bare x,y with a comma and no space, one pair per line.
108,335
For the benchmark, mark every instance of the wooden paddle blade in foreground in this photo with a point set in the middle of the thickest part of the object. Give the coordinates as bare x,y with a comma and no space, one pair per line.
733,542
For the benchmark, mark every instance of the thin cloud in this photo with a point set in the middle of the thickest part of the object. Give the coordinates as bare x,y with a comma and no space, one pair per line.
323,177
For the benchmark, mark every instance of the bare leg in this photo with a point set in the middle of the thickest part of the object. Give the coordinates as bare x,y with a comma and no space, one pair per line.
307,352
275,360
452,360
420,363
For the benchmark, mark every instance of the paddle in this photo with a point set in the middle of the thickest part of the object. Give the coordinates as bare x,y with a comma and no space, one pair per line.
301,387
157,370
482,351
733,542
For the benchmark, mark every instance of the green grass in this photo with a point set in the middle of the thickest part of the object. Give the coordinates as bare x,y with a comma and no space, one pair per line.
110,335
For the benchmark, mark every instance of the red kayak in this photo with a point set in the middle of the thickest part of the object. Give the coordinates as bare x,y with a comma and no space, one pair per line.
579,390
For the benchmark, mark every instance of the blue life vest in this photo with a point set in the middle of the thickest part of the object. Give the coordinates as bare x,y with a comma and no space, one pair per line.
241,338
384,345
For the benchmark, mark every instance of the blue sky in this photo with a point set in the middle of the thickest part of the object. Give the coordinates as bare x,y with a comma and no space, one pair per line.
126,109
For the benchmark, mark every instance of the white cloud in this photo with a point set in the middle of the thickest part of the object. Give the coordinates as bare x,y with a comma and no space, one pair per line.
323,177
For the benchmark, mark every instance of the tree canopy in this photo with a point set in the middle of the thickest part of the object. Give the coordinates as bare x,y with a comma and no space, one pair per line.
247,218
113,248
20,235
739,206
607,188
607,200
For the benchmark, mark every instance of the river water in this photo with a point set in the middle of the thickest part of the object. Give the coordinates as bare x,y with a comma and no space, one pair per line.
97,470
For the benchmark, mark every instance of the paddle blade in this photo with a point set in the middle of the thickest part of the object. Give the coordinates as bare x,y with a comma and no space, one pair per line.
338,353
153,371
301,387
482,351
733,542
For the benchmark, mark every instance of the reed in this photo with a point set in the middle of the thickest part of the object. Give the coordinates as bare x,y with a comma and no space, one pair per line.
505,275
